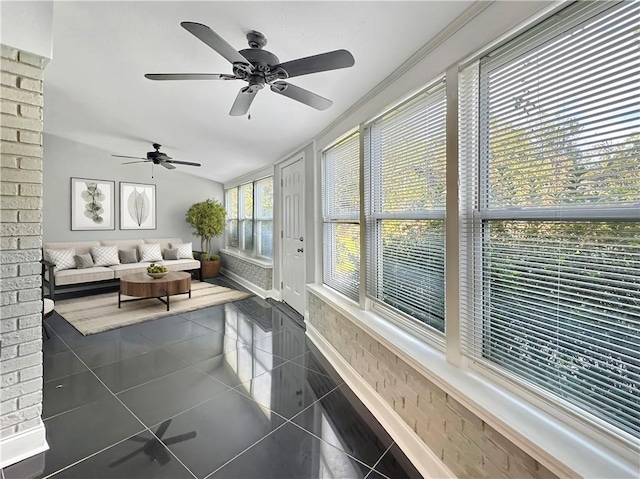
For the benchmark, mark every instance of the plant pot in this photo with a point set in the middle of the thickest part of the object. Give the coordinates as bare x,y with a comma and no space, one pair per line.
209,269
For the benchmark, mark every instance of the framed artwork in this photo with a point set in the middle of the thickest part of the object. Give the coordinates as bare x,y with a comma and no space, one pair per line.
137,206
93,204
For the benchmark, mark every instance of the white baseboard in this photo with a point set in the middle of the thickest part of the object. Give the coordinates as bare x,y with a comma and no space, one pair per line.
23,445
263,293
423,458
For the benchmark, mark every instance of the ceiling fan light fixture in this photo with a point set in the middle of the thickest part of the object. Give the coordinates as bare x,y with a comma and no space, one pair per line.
258,67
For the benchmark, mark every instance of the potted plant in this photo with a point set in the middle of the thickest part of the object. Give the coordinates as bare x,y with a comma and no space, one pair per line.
207,219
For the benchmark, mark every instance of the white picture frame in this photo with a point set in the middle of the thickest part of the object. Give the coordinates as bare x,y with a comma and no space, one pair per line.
92,204
137,206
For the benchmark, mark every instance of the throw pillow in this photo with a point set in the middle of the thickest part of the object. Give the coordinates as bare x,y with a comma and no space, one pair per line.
185,251
105,255
63,258
170,253
84,261
150,252
128,256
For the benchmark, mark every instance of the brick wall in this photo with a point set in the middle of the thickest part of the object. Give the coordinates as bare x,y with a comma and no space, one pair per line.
465,443
261,276
21,240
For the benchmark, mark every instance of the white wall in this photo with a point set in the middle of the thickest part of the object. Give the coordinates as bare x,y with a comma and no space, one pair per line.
175,191
28,26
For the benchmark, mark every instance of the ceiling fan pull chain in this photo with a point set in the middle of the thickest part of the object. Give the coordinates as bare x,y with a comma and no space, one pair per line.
249,117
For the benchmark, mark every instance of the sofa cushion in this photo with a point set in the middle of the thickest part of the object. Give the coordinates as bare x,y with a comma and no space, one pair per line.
105,255
84,261
169,254
63,258
181,264
128,256
120,270
77,276
185,250
150,252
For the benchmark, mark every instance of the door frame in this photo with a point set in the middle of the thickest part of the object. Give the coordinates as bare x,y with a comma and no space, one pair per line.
278,225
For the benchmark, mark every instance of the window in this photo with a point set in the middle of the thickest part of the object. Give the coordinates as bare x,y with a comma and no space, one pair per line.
232,217
264,217
550,153
405,160
245,208
250,217
341,216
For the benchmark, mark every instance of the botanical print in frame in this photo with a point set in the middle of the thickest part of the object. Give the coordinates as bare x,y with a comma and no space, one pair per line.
93,204
137,206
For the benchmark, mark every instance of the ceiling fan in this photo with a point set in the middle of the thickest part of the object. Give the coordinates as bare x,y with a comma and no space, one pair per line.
157,158
258,67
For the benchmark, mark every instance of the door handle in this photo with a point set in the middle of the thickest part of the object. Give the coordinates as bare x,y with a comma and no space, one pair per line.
301,238
300,250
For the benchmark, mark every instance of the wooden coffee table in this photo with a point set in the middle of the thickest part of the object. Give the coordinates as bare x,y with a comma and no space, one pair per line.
143,286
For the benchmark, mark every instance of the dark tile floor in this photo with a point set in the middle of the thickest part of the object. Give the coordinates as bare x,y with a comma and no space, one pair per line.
231,391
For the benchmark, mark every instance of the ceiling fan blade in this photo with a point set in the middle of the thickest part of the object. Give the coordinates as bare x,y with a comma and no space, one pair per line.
243,102
318,63
301,95
132,162
132,157
188,163
215,41
167,165
189,76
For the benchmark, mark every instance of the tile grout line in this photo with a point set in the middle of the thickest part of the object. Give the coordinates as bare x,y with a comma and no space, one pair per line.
286,421
210,399
127,408
94,454
380,459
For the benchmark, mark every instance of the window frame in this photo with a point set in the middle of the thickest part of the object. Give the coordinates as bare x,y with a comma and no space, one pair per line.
242,219
374,219
332,220
477,213
567,413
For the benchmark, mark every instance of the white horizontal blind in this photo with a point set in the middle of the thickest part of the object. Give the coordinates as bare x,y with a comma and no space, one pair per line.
232,216
405,158
553,289
245,209
341,216
264,217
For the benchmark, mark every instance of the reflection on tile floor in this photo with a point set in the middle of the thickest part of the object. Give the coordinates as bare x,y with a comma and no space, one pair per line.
231,391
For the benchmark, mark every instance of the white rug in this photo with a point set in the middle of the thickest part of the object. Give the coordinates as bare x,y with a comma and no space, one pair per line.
98,313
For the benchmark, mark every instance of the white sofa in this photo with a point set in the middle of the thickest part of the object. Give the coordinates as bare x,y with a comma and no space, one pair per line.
96,275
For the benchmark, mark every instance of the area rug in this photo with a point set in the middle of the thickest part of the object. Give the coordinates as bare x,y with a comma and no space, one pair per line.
95,314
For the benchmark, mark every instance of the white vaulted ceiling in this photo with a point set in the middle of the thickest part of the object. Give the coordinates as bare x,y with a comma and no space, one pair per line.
95,91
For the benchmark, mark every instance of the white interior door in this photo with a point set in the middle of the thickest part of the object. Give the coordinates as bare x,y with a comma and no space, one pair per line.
293,235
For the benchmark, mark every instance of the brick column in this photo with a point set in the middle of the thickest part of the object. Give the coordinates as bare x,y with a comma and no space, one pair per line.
21,103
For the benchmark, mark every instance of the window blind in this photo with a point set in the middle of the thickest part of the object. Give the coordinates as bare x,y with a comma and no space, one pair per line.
549,161
232,216
264,216
341,216
245,207
405,158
